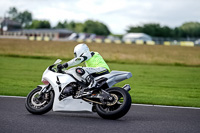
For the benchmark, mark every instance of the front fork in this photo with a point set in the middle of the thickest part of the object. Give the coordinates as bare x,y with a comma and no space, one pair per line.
44,91
45,88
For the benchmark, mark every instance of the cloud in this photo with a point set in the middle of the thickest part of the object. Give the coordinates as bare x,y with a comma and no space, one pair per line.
117,14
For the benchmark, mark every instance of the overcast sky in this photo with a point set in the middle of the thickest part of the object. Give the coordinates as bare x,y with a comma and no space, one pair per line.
116,14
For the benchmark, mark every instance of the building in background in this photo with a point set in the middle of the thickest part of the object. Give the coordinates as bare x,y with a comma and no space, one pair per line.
53,34
8,25
13,29
136,36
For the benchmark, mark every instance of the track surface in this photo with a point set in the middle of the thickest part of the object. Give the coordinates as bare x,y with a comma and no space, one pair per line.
15,119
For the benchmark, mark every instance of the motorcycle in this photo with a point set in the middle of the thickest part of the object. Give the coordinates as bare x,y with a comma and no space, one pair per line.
65,91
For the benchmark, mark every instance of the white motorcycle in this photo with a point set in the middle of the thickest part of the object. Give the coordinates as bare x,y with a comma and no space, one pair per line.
64,91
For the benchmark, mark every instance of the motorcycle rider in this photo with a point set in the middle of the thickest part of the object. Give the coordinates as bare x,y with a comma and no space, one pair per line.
95,64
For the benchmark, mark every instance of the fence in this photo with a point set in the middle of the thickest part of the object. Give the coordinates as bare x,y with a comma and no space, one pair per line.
127,42
139,42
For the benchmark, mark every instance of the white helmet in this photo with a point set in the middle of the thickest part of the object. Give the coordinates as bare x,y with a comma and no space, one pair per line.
82,50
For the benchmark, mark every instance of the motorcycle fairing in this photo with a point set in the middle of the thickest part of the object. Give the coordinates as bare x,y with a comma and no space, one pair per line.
115,77
67,104
70,104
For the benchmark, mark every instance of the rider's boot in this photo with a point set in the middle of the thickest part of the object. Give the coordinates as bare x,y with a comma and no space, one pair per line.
92,84
89,81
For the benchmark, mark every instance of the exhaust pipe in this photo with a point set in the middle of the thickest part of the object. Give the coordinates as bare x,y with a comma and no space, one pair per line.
126,87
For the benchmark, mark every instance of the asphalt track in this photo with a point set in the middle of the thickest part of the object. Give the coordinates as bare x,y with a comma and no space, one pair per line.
140,119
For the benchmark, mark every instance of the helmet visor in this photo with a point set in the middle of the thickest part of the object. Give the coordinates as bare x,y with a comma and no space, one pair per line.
75,55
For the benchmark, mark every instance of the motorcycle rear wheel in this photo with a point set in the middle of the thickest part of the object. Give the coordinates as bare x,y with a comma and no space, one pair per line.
39,106
119,109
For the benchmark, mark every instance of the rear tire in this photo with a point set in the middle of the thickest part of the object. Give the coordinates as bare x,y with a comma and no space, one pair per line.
117,110
42,106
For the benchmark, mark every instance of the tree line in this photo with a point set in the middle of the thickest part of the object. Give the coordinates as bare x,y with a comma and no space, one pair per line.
188,29
27,22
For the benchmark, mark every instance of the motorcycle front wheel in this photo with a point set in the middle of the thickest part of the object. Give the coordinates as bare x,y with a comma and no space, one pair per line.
39,104
118,107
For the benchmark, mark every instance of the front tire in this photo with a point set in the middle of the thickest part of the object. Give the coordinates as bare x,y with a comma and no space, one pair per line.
119,109
36,105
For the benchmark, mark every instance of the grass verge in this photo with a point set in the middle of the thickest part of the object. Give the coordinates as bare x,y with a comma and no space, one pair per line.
151,84
119,53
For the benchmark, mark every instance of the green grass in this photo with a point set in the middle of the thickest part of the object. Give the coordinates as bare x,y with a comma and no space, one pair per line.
165,85
151,84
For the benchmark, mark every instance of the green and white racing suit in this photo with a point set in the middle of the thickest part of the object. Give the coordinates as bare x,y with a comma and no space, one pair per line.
95,65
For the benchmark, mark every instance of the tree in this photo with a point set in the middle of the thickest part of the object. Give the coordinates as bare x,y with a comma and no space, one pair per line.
13,13
96,27
25,18
79,27
61,25
190,29
152,29
72,25
39,24
88,26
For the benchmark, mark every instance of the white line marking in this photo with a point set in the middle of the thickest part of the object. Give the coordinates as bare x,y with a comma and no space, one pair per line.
148,105
165,106
12,96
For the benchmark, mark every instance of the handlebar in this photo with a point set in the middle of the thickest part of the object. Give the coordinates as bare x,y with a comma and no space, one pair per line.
51,68
59,70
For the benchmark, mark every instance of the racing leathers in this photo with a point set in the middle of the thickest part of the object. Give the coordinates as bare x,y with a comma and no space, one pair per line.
95,66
